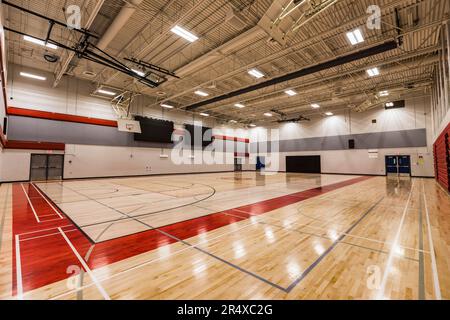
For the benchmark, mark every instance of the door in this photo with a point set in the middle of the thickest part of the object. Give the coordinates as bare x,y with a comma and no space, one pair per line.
46,167
55,165
237,164
260,163
398,165
38,169
303,164
404,165
391,165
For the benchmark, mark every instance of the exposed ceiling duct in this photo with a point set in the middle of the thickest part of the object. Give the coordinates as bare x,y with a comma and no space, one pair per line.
300,73
124,15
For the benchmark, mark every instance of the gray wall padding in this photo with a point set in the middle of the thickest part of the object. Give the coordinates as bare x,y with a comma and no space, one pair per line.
376,140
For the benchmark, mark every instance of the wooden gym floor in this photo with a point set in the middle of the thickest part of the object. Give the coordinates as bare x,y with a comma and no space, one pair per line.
226,236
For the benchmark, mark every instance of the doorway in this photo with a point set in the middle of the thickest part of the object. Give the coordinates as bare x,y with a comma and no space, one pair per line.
237,164
398,165
46,167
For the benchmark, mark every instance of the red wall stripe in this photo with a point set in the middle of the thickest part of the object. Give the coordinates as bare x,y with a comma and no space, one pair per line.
219,137
59,116
35,145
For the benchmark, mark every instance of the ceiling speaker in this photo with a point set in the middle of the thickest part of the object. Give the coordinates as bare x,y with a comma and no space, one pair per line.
235,19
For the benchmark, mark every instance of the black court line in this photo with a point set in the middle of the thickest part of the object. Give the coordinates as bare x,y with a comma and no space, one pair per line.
140,215
315,263
205,252
328,238
65,215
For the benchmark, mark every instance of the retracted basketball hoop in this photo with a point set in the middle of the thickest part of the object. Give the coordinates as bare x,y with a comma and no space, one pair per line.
127,125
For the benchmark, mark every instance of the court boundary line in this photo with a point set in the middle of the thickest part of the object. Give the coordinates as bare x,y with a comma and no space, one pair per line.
382,288
85,266
302,225
31,205
19,284
145,263
347,182
436,285
45,198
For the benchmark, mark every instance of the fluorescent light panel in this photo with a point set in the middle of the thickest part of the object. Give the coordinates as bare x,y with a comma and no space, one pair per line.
268,114
204,114
138,72
315,106
239,105
201,93
373,72
256,73
252,125
32,76
329,113
184,34
384,93
167,106
355,37
291,93
39,42
109,93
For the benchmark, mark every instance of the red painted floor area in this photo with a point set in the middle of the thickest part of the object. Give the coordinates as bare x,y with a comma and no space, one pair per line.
46,257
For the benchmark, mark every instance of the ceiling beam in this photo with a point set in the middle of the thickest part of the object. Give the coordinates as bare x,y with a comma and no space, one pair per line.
387,46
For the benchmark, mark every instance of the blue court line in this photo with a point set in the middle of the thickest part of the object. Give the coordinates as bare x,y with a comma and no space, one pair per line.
315,263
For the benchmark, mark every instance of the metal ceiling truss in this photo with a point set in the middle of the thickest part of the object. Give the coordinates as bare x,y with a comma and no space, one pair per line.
85,49
387,46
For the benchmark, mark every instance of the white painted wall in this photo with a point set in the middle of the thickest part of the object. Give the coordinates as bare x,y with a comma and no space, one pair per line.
74,97
15,164
101,161
415,115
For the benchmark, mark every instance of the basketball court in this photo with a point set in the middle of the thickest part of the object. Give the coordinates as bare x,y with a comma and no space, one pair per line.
225,150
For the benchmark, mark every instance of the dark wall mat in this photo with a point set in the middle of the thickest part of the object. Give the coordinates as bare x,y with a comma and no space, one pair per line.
303,164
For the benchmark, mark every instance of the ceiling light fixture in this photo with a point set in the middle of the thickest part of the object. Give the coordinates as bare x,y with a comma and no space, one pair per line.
32,76
184,34
233,121
315,106
291,93
329,113
109,93
355,37
268,114
239,105
40,42
138,72
204,114
201,93
167,106
384,93
252,125
373,72
256,73
389,104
